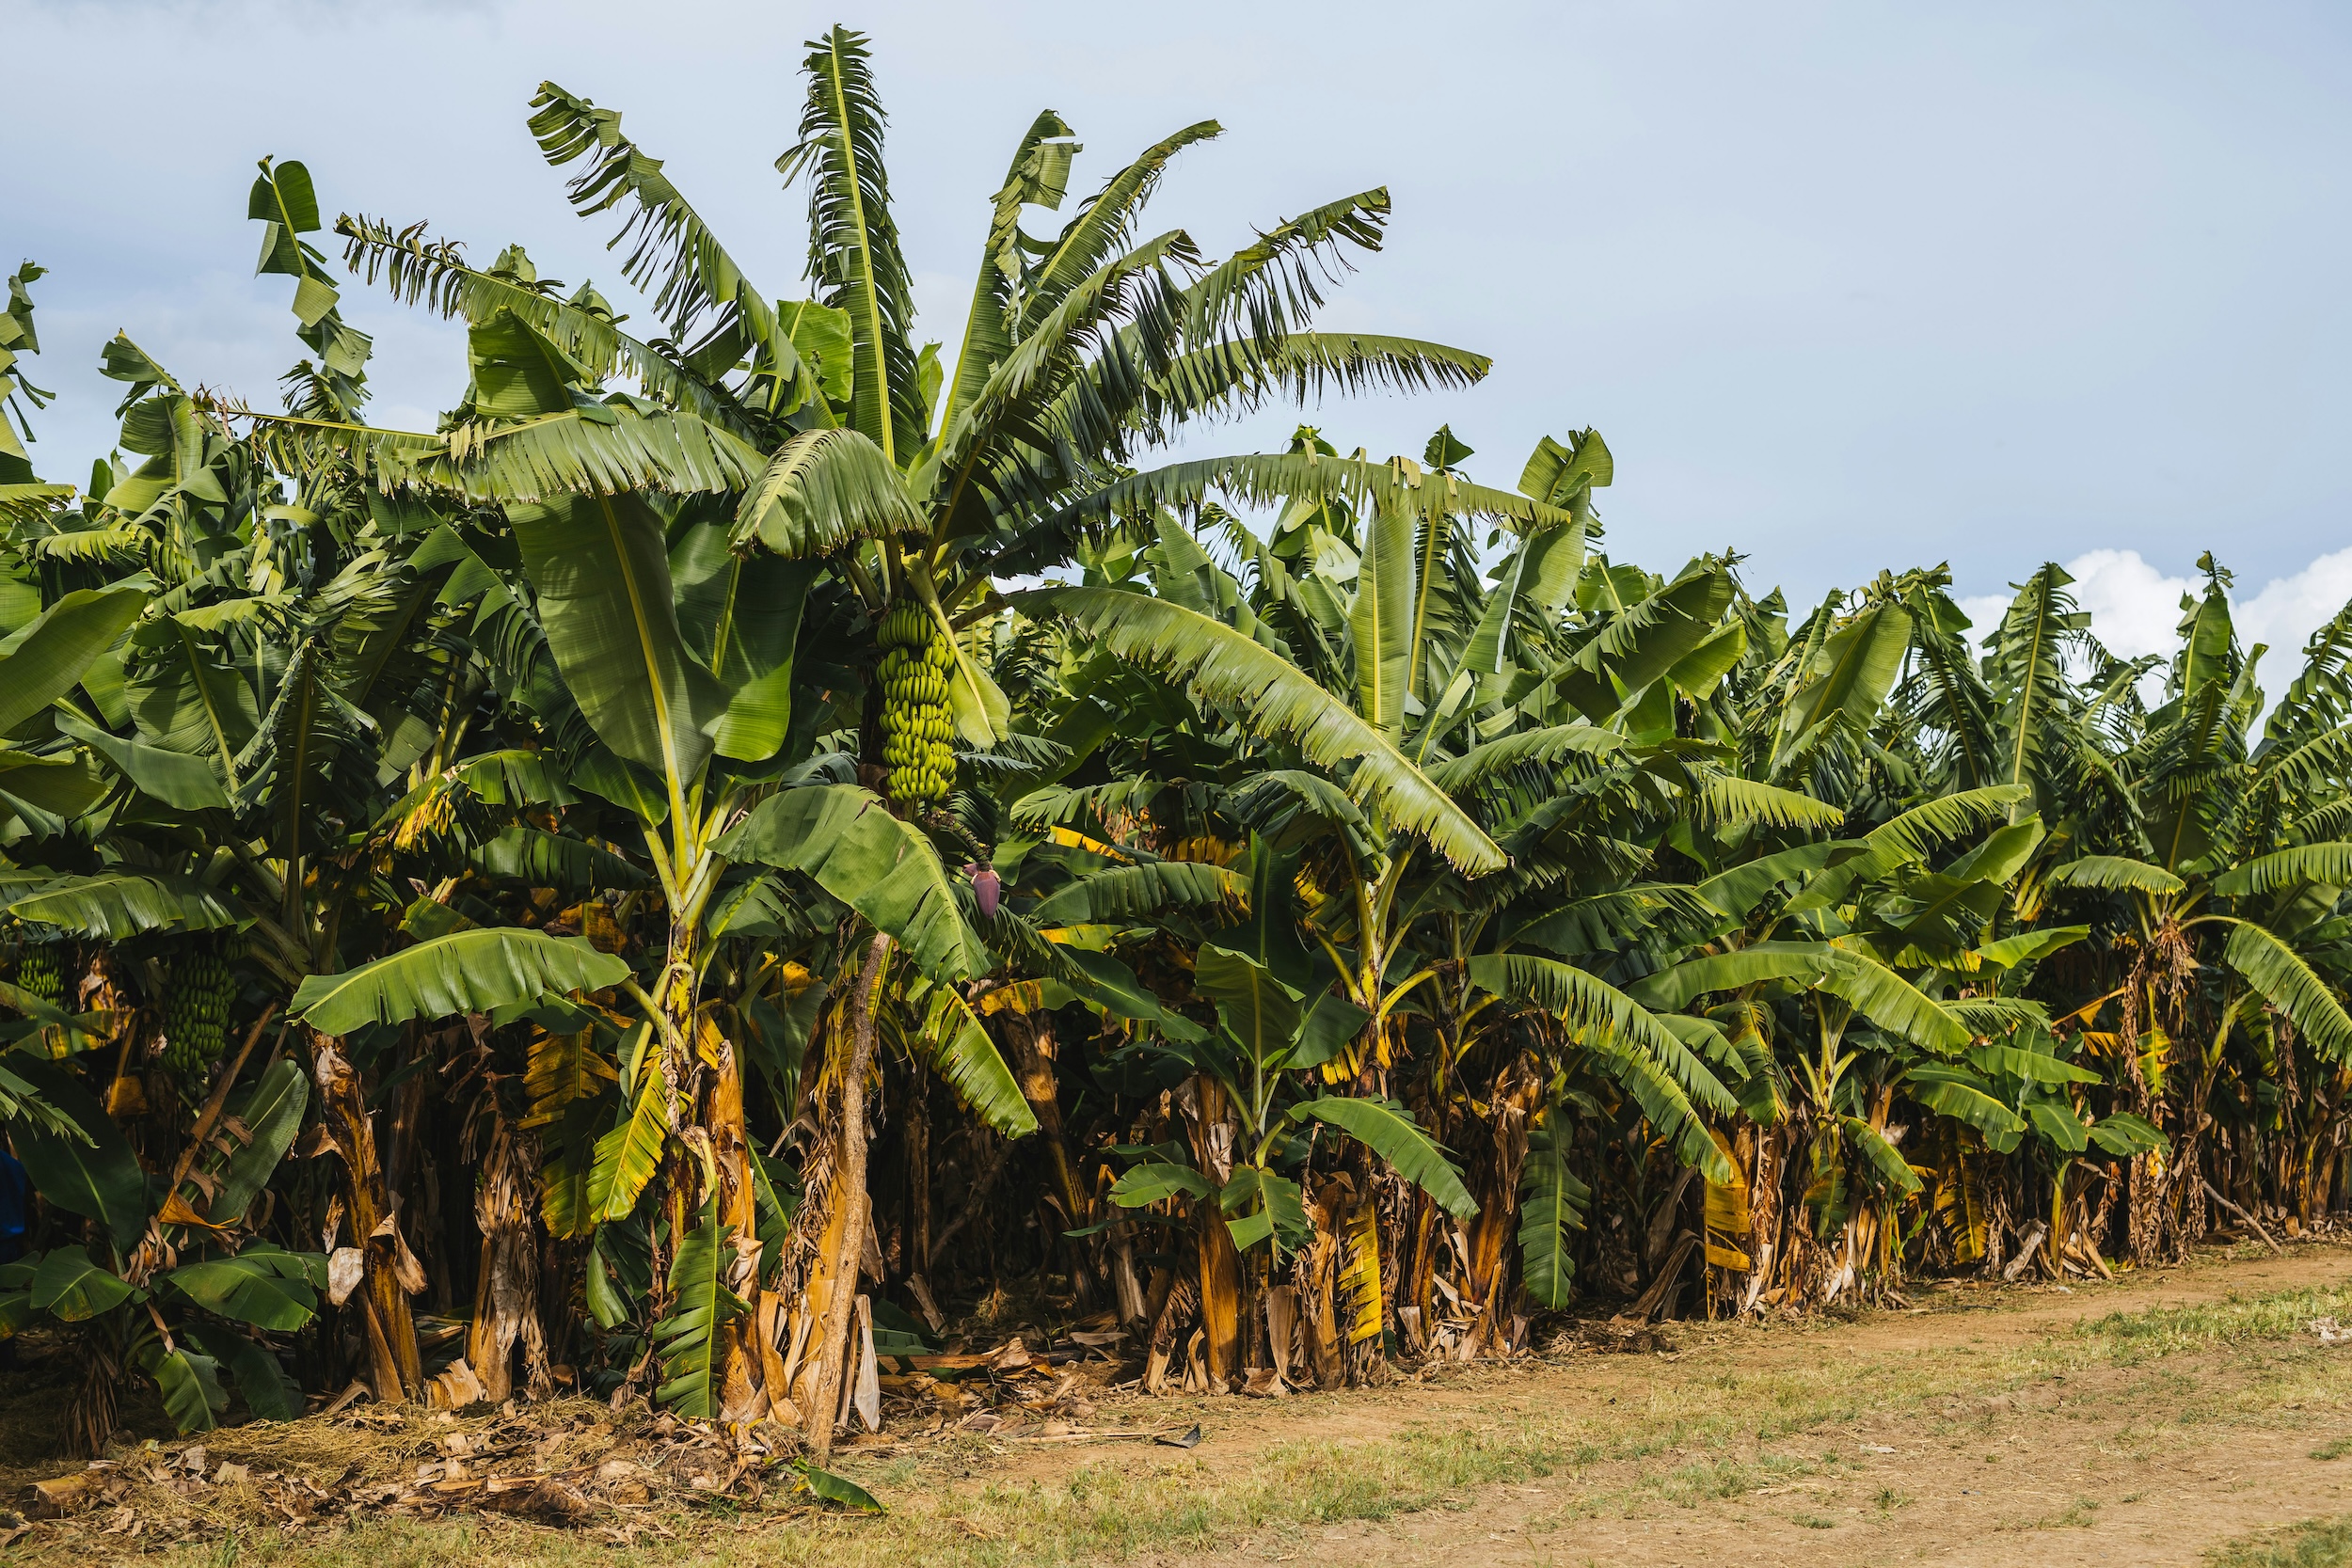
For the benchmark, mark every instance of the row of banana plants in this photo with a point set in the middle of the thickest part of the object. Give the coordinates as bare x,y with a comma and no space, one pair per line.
749,841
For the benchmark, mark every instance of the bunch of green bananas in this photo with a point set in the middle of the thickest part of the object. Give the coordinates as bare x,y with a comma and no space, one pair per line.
916,664
195,1013
37,970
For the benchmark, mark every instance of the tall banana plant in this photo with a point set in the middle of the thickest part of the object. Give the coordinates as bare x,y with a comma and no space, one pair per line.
655,671
1553,738
2218,861
836,443
925,483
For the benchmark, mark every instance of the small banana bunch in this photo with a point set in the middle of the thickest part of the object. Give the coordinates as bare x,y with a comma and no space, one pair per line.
916,664
195,1013
37,973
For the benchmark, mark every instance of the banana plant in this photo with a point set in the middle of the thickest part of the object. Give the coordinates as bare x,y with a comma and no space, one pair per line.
1259,1103
2018,1086
909,487
178,1292
1381,616
2218,860
926,483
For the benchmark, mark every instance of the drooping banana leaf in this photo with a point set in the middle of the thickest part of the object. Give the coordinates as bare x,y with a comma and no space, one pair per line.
1552,1204
824,489
271,1114
1389,1131
537,857
43,660
72,1288
956,1045
93,1173
1133,892
1224,667
2115,873
190,1385
464,972
268,1391
248,1290
174,778
119,904
884,868
1599,1013
2281,974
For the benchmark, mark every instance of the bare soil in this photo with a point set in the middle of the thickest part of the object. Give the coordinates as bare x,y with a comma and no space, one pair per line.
2148,1421
2151,1464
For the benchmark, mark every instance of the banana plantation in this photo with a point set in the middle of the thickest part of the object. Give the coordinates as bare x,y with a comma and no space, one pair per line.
760,835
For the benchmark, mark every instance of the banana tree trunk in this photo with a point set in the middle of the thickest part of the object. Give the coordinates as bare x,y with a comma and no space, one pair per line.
1219,1273
833,1291
506,1291
1029,1040
1216,1266
1512,1102
1367,1277
394,1370
2318,1138
1414,1295
1316,1272
742,1381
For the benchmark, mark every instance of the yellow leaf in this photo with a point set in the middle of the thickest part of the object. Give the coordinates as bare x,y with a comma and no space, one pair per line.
709,1040
1072,839
1207,851
563,1069
1358,1286
1092,938
176,1212
597,923
1023,996
1728,1206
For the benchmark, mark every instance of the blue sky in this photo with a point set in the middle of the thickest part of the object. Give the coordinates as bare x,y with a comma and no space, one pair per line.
1846,286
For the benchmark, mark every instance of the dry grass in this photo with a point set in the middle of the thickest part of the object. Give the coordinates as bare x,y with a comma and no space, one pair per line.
1736,1415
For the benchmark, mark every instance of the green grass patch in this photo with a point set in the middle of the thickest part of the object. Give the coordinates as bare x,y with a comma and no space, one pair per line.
2314,1543
2130,1337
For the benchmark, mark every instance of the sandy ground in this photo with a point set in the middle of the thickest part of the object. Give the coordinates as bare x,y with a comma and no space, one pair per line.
2152,1464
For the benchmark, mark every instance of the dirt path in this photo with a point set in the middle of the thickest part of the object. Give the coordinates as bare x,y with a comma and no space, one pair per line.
1980,1428
2142,1423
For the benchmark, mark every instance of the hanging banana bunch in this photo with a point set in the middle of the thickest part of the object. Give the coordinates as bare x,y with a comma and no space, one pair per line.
196,1012
917,733
37,970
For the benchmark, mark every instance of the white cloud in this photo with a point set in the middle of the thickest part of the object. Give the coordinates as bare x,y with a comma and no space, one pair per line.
1984,612
2288,609
2136,607
2133,606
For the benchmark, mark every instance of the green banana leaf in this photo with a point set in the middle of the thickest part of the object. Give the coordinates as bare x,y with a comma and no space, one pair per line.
1389,1131
464,972
884,868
